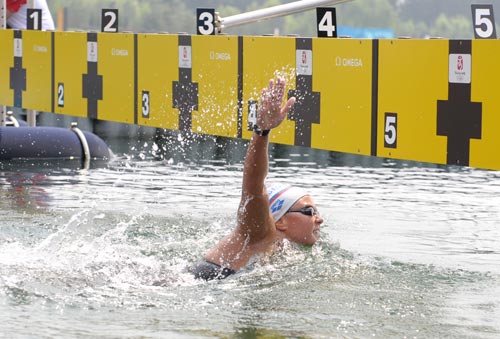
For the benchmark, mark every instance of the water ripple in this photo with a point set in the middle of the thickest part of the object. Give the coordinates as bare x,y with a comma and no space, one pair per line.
406,251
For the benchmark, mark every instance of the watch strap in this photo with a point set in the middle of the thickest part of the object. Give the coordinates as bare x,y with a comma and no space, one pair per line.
260,132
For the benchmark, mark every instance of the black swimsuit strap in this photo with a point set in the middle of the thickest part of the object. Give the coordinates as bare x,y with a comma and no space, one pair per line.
207,270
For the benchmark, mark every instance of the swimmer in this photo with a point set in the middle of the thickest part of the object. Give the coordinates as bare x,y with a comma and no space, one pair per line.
266,215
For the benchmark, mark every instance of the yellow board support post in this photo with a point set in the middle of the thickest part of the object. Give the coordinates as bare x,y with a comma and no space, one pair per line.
61,19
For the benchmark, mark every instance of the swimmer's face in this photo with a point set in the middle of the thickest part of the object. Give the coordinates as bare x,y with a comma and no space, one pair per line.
301,227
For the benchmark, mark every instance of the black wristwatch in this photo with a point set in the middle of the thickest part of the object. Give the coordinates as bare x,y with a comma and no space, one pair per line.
260,132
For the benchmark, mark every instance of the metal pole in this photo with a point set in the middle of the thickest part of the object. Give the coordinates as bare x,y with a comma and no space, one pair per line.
3,11
3,14
3,115
276,11
3,25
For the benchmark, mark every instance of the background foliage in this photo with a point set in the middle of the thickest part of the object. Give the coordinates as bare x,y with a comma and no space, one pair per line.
414,18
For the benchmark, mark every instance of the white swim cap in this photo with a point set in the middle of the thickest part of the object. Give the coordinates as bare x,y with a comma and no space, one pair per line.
281,198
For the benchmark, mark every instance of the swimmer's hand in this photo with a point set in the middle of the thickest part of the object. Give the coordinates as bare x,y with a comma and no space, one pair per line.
271,112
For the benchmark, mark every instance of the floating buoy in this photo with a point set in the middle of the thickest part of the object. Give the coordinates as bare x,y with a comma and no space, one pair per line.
51,143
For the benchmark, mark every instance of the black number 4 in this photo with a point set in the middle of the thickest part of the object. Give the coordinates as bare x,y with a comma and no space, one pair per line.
327,22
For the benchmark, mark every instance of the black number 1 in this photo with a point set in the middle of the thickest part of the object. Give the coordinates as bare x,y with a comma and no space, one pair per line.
34,19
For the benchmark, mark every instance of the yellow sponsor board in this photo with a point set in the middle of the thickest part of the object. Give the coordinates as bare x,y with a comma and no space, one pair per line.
6,62
70,63
116,66
342,73
415,118
215,69
157,68
265,58
484,89
413,76
37,59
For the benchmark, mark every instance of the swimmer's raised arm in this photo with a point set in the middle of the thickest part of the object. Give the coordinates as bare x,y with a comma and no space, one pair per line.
256,231
253,215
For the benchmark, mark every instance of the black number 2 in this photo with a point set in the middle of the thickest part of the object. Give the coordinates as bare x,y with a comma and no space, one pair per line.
109,20
60,95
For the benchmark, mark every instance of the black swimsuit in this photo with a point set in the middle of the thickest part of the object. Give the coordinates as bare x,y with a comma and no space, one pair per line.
207,270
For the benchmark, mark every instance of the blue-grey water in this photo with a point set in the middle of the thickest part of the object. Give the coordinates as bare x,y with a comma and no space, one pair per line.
408,250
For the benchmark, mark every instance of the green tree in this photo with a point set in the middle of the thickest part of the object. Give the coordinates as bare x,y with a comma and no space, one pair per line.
368,13
455,27
414,18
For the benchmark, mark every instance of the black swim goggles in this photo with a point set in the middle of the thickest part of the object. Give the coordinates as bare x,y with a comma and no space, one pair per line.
306,211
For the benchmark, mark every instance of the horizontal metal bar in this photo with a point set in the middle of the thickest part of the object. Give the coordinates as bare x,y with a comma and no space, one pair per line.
275,11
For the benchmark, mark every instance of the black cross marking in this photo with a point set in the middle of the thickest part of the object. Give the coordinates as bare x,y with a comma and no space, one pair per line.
458,118
92,83
185,92
306,110
18,76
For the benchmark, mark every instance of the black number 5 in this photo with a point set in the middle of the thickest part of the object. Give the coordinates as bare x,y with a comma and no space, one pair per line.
391,130
483,22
